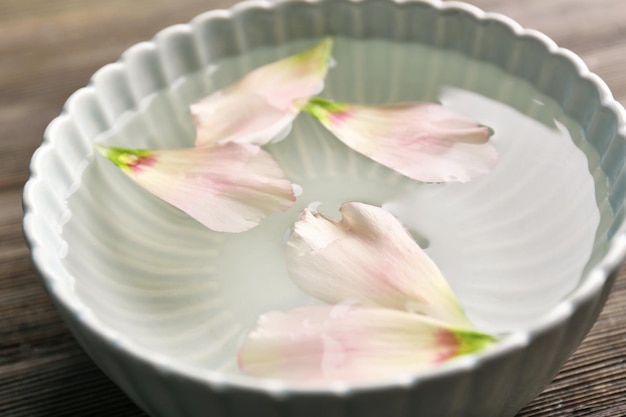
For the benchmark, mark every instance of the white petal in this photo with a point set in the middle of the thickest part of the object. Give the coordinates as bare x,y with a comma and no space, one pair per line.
424,141
311,344
370,258
263,103
241,118
228,188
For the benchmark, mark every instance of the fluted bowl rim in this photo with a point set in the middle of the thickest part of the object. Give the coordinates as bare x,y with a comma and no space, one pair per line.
593,282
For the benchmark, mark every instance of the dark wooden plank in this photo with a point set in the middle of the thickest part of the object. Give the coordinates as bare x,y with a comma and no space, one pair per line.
53,49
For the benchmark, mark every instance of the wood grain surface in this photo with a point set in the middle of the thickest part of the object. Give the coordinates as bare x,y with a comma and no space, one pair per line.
50,48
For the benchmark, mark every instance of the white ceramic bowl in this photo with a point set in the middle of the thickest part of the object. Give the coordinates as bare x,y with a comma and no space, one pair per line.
161,304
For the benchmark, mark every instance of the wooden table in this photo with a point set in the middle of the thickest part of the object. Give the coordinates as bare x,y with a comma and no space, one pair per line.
50,48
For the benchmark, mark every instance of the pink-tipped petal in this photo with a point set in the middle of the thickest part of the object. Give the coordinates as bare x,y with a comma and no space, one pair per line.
241,118
424,141
370,258
344,342
228,188
262,104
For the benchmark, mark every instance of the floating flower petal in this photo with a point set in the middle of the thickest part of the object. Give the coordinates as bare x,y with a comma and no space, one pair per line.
228,188
424,141
262,105
347,342
370,258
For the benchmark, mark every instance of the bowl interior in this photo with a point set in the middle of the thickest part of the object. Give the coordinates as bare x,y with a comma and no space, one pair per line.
512,244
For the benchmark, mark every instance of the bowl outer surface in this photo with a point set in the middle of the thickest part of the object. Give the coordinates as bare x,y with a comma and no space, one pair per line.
497,383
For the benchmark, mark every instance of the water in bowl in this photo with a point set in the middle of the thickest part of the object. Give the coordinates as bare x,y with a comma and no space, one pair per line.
512,243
